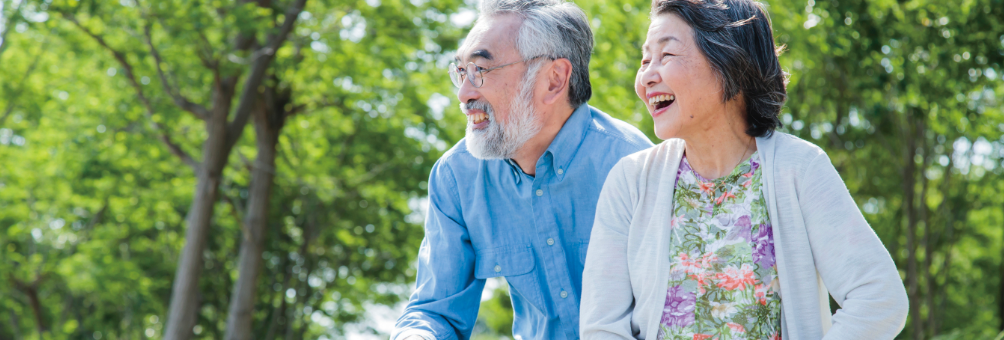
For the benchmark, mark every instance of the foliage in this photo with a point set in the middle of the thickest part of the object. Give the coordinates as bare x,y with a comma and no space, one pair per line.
903,95
94,209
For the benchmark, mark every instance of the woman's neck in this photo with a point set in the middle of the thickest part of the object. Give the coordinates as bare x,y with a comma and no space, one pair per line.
720,147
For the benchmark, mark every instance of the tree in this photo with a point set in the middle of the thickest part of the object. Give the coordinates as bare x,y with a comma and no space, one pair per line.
351,114
221,131
365,107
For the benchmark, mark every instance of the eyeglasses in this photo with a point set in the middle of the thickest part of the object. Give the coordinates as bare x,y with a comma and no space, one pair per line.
476,74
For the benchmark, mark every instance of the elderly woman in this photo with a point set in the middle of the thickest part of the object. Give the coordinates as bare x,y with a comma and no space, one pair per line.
729,230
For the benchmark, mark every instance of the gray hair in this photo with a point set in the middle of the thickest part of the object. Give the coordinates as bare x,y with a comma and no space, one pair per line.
554,29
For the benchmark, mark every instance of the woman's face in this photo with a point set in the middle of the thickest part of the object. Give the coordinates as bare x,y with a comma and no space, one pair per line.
676,81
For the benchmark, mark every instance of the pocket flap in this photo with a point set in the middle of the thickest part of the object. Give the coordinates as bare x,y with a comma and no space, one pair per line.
503,262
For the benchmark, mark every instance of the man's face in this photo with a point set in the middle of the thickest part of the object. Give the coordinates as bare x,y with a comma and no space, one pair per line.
500,115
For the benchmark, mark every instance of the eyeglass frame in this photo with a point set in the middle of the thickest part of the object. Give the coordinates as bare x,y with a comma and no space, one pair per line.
454,69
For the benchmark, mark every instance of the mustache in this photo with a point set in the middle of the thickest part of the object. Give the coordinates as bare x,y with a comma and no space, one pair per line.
477,105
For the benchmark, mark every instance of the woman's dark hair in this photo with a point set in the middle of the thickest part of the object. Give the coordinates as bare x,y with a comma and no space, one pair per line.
736,37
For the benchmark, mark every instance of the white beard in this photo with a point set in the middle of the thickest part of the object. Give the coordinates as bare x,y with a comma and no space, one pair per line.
501,140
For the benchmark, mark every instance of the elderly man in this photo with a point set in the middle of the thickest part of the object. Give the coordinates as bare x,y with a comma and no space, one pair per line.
516,197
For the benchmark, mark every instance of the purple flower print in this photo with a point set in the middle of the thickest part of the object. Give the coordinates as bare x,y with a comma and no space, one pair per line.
684,167
741,229
679,308
763,246
754,164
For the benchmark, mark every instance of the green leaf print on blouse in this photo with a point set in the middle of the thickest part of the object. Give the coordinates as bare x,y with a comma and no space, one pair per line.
723,274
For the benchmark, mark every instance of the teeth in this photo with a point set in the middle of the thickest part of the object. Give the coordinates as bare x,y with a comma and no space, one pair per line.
661,98
477,118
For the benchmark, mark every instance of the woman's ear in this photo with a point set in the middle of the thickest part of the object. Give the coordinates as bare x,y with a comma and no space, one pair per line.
558,77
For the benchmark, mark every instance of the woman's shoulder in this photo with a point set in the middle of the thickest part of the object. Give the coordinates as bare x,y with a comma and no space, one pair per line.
790,153
654,157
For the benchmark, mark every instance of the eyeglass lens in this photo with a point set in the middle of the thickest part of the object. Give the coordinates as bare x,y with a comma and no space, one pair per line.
471,72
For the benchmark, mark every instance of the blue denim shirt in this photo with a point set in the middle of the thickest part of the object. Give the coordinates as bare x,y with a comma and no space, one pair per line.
487,218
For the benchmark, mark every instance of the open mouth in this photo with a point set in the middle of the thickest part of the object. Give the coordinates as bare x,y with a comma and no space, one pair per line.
477,118
661,101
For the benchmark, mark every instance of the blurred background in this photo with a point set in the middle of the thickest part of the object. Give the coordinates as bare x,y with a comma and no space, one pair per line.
267,159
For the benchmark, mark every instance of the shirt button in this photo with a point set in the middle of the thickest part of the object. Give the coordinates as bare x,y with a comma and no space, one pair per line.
540,192
564,294
550,241
561,171
498,268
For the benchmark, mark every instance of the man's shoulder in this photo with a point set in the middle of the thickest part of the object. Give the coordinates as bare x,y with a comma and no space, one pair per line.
618,131
457,158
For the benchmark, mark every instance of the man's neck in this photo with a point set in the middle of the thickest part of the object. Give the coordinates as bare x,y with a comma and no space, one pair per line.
527,155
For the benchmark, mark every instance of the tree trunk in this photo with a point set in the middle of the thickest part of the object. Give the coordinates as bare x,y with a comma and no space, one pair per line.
184,293
36,310
909,188
269,119
946,210
927,241
31,291
15,328
1000,300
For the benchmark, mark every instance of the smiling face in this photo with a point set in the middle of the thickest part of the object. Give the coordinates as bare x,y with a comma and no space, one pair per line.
500,114
676,82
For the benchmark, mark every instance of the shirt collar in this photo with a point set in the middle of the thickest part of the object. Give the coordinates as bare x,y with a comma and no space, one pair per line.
571,135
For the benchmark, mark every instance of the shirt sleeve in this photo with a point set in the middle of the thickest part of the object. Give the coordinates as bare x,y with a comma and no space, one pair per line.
851,260
447,296
607,298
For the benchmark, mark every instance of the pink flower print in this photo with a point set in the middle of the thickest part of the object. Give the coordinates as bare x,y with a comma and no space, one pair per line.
761,293
699,336
702,280
688,264
675,221
775,336
708,187
747,184
736,327
725,195
748,174
707,259
734,278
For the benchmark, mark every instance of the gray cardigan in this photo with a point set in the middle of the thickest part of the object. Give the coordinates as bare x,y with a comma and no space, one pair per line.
821,240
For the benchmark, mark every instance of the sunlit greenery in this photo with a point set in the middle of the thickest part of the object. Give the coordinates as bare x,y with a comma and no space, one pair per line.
903,95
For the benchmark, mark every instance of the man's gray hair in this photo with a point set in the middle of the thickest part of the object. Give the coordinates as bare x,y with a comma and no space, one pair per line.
554,29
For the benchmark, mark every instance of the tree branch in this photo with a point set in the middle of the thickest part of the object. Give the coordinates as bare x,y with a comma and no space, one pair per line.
207,52
8,22
369,174
198,110
17,93
121,58
261,60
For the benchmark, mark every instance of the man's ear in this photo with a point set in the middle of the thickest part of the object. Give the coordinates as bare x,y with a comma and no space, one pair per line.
558,77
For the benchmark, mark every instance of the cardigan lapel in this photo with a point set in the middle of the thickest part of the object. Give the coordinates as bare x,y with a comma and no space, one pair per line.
766,147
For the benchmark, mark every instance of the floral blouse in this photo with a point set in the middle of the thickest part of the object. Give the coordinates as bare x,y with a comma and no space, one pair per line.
723,277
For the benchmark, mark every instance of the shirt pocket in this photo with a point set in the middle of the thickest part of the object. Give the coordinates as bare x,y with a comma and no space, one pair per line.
516,264
503,262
